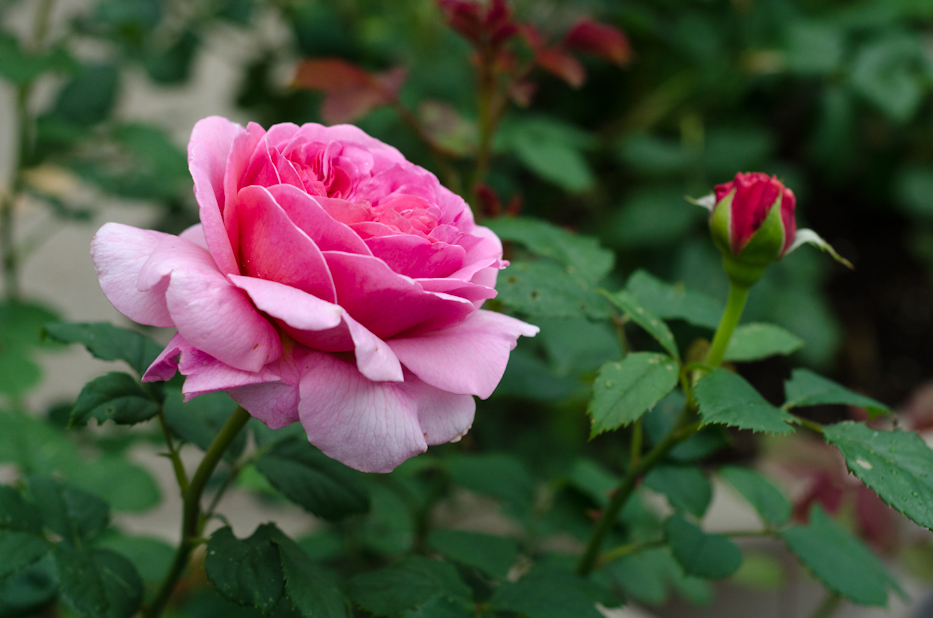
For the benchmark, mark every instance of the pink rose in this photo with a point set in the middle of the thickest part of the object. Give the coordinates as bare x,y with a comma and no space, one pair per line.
752,198
330,282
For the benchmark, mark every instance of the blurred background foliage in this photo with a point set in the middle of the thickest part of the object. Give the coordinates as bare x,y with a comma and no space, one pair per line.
833,96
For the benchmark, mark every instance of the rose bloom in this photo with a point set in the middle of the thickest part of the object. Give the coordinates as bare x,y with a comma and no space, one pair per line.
330,282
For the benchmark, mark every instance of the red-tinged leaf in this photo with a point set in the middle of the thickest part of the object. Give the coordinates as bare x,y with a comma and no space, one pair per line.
330,74
599,39
464,17
446,127
561,64
351,91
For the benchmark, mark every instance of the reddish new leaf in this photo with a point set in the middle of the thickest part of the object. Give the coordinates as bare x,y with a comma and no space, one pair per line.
351,91
599,39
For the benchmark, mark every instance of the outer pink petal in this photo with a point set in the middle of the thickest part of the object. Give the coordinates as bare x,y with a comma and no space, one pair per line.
119,253
274,403
468,358
307,213
241,153
388,303
370,426
208,151
195,234
444,417
166,364
458,287
273,248
307,314
415,256
210,313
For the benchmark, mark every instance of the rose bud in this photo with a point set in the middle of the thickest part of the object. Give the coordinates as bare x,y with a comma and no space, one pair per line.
752,223
330,282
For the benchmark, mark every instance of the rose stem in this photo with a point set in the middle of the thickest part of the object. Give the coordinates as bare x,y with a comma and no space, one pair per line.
683,429
191,523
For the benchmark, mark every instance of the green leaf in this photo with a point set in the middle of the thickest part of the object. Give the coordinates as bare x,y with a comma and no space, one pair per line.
814,48
643,575
406,584
440,607
581,255
710,556
840,561
89,97
546,592
543,289
18,373
20,67
593,480
313,591
767,499
727,399
552,150
314,481
625,390
108,342
116,397
884,73
806,388
152,557
21,324
16,513
751,342
652,324
896,464
125,486
34,445
686,487
493,555
20,550
389,528
199,420
98,583
760,571
75,515
495,474
247,572
674,301
27,592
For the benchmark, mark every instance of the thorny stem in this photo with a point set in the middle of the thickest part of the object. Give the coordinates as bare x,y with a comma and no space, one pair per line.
828,607
8,254
633,548
192,522
730,319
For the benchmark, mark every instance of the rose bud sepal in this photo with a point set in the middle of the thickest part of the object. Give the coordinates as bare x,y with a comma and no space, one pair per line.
765,246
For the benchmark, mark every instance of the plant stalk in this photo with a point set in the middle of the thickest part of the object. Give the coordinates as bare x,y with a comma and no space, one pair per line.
681,431
192,522
730,319
828,607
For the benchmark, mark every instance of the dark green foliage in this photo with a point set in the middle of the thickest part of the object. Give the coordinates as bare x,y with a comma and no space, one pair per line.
726,398
709,556
806,388
408,584
76,516
896,464
686,488
492,555
108,342
312,480
840,561
767,499
247,572
625,390
546,592
97,583
198,420
116,397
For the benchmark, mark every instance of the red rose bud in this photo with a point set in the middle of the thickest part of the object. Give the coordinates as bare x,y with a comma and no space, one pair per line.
600,40
752,223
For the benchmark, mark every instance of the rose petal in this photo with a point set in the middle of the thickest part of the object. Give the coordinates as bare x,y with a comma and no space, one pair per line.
208,151
273,248
388,303
415,256
119,253
468,358
241,153
307,315
209,312
374,426
165,366
195,234
310,217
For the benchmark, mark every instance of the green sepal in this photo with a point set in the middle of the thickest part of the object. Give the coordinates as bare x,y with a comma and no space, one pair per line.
763,247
